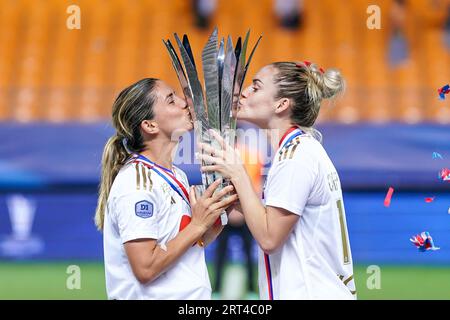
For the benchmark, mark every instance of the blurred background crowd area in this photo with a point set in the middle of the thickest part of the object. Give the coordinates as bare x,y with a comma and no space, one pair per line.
390,129
49,72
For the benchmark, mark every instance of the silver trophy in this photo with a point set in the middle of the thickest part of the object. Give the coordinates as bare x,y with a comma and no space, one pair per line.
224,70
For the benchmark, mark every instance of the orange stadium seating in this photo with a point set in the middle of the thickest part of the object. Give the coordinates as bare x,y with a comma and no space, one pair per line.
51,73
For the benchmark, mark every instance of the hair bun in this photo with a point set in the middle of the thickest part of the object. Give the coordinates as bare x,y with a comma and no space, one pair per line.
333,84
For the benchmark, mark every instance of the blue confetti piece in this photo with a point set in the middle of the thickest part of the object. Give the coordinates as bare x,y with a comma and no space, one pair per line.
437,155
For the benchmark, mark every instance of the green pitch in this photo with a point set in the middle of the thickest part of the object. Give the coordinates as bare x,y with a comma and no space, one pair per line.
49,281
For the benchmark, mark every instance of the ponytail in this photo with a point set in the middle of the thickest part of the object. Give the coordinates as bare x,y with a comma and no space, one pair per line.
114,157
133,105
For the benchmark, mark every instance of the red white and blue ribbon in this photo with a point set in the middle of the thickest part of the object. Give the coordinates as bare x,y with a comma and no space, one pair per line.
424,242
289,135
167,175
269,276
444,174
443,91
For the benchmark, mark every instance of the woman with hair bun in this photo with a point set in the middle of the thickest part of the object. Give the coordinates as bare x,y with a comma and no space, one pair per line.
300,223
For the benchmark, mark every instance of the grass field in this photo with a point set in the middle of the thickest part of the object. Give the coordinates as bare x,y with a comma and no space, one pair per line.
48,281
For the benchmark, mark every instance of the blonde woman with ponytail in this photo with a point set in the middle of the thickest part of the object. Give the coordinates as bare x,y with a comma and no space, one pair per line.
300,223
154,227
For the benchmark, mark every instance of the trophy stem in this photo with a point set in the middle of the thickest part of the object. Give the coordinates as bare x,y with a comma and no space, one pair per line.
209,177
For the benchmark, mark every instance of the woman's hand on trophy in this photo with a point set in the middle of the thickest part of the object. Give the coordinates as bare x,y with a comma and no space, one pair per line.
208,207
226,161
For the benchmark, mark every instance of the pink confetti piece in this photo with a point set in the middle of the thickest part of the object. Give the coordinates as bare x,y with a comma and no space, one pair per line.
430,199
387,200
444,174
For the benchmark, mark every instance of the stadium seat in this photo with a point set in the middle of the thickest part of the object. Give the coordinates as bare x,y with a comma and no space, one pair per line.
55,74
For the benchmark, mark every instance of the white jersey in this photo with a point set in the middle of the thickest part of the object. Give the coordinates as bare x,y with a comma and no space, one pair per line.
142,204
315,262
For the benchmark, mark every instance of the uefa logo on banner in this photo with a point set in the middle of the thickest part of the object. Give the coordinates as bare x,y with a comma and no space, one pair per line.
20,243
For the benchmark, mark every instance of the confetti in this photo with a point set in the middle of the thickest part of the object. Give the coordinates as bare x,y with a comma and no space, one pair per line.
423,242
444,174
443,91
436,155
387,200
428,200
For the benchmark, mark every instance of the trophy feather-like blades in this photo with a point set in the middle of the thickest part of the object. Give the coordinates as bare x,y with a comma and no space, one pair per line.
211,75
220,62
237,50
240,67
196,88
238,79
227,85
180,72
250,58
236,92
242,72
187,46
241,60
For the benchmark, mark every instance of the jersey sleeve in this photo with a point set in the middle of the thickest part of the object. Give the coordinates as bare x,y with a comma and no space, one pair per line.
290,184
137,216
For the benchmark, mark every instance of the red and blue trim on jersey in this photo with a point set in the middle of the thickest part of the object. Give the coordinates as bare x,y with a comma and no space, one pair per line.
269,276
174,183
292,133
167,175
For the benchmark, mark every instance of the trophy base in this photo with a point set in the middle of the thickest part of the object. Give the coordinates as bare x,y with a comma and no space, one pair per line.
224,218
208,179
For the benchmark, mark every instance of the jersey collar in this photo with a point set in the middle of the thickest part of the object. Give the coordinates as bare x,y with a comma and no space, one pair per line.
289,135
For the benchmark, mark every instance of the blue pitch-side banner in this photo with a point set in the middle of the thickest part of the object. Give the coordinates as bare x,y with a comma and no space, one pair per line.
38,158
61,227
40,155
